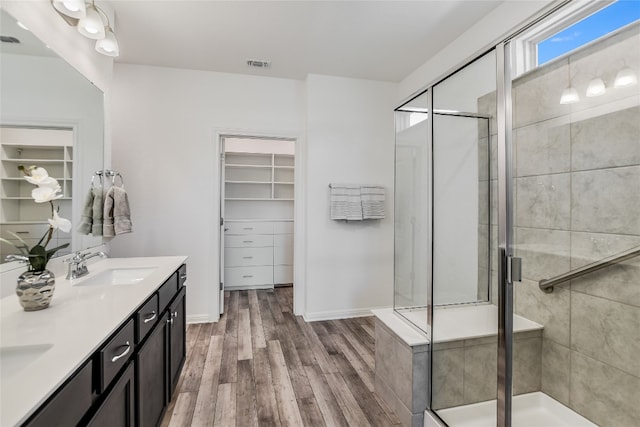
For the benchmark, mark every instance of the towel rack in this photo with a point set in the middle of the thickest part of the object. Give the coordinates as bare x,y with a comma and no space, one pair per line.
108,173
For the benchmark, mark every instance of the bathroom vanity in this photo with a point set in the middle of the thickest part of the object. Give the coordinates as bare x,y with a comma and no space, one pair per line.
107,352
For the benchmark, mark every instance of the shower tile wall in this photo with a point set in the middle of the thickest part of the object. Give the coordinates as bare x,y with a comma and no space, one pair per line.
577,200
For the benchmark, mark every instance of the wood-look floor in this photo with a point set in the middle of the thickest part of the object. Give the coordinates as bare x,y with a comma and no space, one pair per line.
261,365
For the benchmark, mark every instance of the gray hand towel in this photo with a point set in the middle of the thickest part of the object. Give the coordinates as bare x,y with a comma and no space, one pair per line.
86,222
97,211
117,215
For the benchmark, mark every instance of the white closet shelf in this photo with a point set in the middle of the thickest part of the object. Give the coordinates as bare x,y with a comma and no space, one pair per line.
262,199
29,198
283,167
283,182
235,165
248,182
38,161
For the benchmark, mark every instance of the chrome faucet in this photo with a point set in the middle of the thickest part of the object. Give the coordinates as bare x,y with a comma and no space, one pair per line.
78,266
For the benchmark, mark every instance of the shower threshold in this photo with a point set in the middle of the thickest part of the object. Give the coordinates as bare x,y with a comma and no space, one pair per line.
529,410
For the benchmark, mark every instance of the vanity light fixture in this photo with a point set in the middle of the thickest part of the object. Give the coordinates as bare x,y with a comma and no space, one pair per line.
625,78
569,96
71,8
91,21
596,88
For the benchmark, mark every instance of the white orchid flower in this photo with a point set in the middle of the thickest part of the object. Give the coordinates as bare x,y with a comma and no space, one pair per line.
45,194
58,222
41,178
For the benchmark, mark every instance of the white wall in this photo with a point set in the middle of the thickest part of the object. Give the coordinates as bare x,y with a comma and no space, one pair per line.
350,139
164,124
483,35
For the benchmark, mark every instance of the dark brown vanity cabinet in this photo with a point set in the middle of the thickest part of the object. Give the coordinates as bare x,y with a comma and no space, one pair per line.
131,378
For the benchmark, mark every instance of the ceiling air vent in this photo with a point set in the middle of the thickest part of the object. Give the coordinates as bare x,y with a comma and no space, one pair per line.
9,39
258,63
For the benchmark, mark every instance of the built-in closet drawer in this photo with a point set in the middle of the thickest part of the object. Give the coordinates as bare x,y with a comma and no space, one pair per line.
249,227
25,231
282,274
248,241
247,276
283,227
240,257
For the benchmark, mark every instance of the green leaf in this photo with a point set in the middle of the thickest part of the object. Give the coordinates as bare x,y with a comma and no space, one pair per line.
24,250
38,258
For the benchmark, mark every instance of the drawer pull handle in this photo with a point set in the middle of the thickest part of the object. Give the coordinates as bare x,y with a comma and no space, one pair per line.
248,228
123,354
170,321
174,314
247,276
183,277
247,257
149,319
22,232
247,241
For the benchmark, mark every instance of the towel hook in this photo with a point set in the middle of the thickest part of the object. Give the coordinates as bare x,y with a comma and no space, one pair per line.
115,174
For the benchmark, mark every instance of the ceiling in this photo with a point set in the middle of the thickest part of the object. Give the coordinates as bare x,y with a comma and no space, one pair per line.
377,40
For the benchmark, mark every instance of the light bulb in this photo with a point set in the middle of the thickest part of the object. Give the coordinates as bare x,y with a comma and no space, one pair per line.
91,25
626,77
108,45
596,88
569,96
73,8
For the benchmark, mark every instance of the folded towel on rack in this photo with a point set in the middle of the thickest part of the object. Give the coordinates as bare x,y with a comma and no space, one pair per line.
372,202
345,202
86,221
97,210
117,215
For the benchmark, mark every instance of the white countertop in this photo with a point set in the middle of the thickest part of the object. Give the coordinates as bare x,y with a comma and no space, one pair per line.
63,336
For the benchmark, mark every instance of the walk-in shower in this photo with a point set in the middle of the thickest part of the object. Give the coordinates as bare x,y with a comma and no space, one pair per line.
514,177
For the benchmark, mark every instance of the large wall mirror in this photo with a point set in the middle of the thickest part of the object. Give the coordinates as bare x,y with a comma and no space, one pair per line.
53,117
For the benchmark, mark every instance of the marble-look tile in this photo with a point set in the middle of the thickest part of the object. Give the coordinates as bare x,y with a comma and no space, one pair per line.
604,60
480,372
604,394
483,202
487,105
493,197
544,253
607,331
394,364
619,132
619,282
550,310
483,284
420,382
527,357
483,246
448,378
543,148
606,201
537,94
556,370
543,201
484,153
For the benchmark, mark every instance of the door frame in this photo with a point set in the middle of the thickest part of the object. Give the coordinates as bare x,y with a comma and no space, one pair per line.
299,210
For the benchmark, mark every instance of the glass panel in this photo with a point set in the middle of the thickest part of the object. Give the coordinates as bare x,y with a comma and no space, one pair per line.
412,212
576,164
464,329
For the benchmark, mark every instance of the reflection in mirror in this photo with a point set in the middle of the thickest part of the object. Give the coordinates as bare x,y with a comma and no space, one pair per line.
51,117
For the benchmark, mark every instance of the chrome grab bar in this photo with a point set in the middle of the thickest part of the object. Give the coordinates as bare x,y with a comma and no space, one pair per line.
548,284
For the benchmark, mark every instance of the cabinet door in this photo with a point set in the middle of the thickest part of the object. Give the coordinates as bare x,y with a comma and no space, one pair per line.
151,377
177,343
118,410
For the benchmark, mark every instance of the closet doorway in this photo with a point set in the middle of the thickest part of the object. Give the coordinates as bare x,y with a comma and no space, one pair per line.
257,177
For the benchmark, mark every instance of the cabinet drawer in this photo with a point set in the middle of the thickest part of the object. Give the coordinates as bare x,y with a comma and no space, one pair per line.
249,227
25,231
68,405
115,354
146,318
240,257
248,241
245,276
182,276
167,291
282,274
283,227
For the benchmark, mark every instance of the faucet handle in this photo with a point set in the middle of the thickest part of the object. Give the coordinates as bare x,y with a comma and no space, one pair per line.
78,257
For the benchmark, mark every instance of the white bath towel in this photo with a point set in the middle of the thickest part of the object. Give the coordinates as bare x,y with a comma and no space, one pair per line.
345,202
372,202
117,215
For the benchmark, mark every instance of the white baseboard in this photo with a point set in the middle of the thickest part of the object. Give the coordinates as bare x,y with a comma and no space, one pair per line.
247,287
337,314
198,318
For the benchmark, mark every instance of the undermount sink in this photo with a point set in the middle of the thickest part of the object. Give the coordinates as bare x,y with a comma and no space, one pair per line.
118,276
14,358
